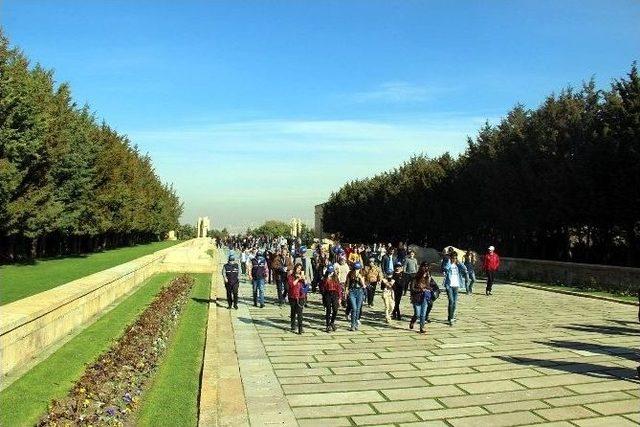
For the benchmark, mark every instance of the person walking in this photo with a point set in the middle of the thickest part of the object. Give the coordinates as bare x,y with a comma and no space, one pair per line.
410,268
398,290
244,258
355,285
296,285
331,293
388,260
490,266
420,289
277,264
231,276
455,275
387,285
259,272
469,263
372,276
342,269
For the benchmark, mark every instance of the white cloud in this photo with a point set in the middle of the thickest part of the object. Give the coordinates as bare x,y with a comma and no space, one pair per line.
398,92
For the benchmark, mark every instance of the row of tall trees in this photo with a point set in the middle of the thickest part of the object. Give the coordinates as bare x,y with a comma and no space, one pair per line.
559,182
68,183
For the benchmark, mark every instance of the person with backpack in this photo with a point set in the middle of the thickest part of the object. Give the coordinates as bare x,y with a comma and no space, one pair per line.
231,277
297,294
355,285
455,276
490,266
421,295
331,295
259,272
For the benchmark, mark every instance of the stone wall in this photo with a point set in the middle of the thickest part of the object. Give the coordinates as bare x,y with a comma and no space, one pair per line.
31,326
610,278
606,277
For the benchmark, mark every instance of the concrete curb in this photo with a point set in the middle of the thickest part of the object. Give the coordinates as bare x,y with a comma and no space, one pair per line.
561,291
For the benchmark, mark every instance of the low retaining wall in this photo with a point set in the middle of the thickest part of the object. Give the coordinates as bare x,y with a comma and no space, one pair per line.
625,280
606,277
32,325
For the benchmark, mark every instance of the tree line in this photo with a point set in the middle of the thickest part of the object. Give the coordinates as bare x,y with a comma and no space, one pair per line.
559,182
69,183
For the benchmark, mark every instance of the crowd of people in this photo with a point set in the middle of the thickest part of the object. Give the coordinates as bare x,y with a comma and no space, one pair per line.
349,276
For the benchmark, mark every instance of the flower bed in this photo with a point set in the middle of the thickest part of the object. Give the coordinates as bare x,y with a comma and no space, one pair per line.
110,388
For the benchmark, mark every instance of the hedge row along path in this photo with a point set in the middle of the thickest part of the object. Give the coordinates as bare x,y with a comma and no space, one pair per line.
520,357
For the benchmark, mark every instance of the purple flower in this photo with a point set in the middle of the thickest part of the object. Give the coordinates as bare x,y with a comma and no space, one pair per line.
127,398
111,411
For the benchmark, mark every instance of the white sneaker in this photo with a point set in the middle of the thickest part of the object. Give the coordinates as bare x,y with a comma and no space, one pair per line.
359,322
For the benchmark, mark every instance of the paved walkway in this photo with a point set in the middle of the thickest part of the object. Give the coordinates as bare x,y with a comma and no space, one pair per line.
519,357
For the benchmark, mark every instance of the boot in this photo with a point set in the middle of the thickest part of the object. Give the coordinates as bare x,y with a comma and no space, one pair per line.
412,322
422,331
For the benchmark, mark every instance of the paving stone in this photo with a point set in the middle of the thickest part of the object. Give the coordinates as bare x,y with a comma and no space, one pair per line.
618,407
302,372
557,380
484,376
437,414
332,411
496,420
611,385
356,385
325,422
315,399
565,413
490,386
407,405
364,369
335,364
552,424
422,392
430,423
300,380
384,418
524,405
355,377
512,396
613,421
587,398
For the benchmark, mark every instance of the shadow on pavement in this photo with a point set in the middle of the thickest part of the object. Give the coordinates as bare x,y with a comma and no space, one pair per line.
604,329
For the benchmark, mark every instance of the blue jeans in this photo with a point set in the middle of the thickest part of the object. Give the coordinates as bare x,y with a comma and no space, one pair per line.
452,295
472,280
258,291
356,297
420,311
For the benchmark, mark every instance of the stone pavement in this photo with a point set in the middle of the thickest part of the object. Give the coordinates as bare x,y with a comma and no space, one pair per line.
519,357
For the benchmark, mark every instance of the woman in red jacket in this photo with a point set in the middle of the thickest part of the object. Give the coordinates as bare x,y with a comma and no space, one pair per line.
490,266
295,284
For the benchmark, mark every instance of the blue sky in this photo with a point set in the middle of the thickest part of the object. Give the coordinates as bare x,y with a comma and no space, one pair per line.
260,109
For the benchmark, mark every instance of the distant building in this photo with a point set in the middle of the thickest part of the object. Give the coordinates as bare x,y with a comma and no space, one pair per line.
318,225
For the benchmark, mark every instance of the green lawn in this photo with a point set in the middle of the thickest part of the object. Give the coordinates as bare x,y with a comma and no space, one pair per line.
20,281
24,401
173,396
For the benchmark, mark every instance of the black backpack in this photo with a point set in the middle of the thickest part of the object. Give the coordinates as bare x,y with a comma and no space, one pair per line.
258,270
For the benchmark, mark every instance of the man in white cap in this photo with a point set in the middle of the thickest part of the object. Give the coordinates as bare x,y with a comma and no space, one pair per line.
490,266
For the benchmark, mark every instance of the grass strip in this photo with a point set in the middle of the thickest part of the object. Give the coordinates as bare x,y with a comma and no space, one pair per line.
172,398
24,401
22,280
